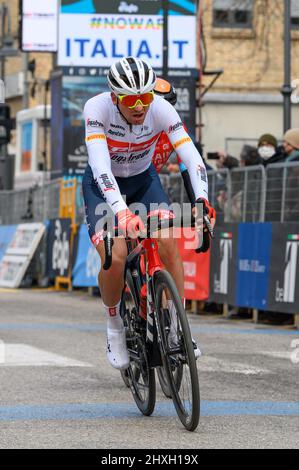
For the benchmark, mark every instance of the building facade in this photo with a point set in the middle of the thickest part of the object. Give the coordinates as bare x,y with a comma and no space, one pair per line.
245,38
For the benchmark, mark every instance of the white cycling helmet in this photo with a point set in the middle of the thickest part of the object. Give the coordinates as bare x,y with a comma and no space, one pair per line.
131,76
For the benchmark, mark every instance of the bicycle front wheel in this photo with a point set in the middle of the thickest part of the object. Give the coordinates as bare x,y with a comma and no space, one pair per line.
139,376
177,350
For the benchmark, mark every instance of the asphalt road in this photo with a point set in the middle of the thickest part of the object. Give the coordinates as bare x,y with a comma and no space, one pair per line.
57,390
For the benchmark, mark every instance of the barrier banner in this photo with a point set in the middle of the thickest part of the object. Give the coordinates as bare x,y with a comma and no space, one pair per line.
254,251
224,264
284,268
6,235
58,248
88,263
196,269
19,253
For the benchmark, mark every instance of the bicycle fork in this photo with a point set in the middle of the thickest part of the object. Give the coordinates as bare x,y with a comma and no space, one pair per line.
151,329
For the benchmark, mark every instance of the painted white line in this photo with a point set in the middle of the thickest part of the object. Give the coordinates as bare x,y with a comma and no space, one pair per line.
277,354
212,364
20,355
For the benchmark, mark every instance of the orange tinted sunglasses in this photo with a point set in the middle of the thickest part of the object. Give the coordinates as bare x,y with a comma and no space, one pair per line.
131,101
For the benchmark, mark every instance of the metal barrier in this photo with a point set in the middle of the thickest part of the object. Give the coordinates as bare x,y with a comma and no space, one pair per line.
247,194
282,195
30,205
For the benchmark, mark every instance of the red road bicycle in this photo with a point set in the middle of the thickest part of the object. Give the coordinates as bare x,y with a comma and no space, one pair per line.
151,341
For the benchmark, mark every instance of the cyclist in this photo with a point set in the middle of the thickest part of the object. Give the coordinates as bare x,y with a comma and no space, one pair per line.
122,129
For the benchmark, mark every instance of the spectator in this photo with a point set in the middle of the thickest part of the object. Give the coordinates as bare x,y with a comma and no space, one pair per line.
226,161
267,147
250,156
291,145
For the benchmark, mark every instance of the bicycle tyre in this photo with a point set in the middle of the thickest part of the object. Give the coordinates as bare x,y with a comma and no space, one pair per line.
163,281
139,371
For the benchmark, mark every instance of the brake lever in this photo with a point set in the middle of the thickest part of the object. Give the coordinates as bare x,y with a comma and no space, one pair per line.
208,225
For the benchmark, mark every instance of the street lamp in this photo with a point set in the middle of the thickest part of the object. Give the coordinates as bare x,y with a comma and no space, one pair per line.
287,88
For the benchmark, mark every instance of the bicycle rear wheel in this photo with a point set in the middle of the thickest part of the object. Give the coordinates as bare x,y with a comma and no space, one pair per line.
177,351
139,376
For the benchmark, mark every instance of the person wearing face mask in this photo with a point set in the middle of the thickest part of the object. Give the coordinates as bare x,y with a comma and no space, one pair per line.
267,147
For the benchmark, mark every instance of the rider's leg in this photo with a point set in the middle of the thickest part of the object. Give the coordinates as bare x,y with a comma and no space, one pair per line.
171,258
111,284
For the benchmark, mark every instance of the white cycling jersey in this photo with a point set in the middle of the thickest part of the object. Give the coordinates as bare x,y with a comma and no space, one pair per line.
117,148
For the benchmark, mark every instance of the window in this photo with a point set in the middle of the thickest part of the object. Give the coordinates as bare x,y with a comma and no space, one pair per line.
232,13
295,14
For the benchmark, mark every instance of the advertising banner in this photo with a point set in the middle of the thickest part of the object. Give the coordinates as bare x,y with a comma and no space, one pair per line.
76,91
88,263
6,235
58,248
224,264
27,145
284,268
196,269
254,251
39,28
19,253
95,33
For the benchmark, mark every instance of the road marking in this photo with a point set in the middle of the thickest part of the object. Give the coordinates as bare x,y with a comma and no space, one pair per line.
81,411
196,329
213,364
21,355
277,354
53,326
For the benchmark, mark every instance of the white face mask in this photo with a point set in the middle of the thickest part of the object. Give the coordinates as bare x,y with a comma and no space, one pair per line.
266,152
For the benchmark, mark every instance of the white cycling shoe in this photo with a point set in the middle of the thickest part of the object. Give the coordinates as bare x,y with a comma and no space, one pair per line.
173,342
117,353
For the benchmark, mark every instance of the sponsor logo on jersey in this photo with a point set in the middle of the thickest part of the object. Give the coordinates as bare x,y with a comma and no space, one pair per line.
116,146
134,158
94,123
117,126
92,137
180,142
116,133
202,173
109,185
175,127
144,135
118,159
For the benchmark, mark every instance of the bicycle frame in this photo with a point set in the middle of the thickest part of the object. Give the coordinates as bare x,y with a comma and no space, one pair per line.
149,249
